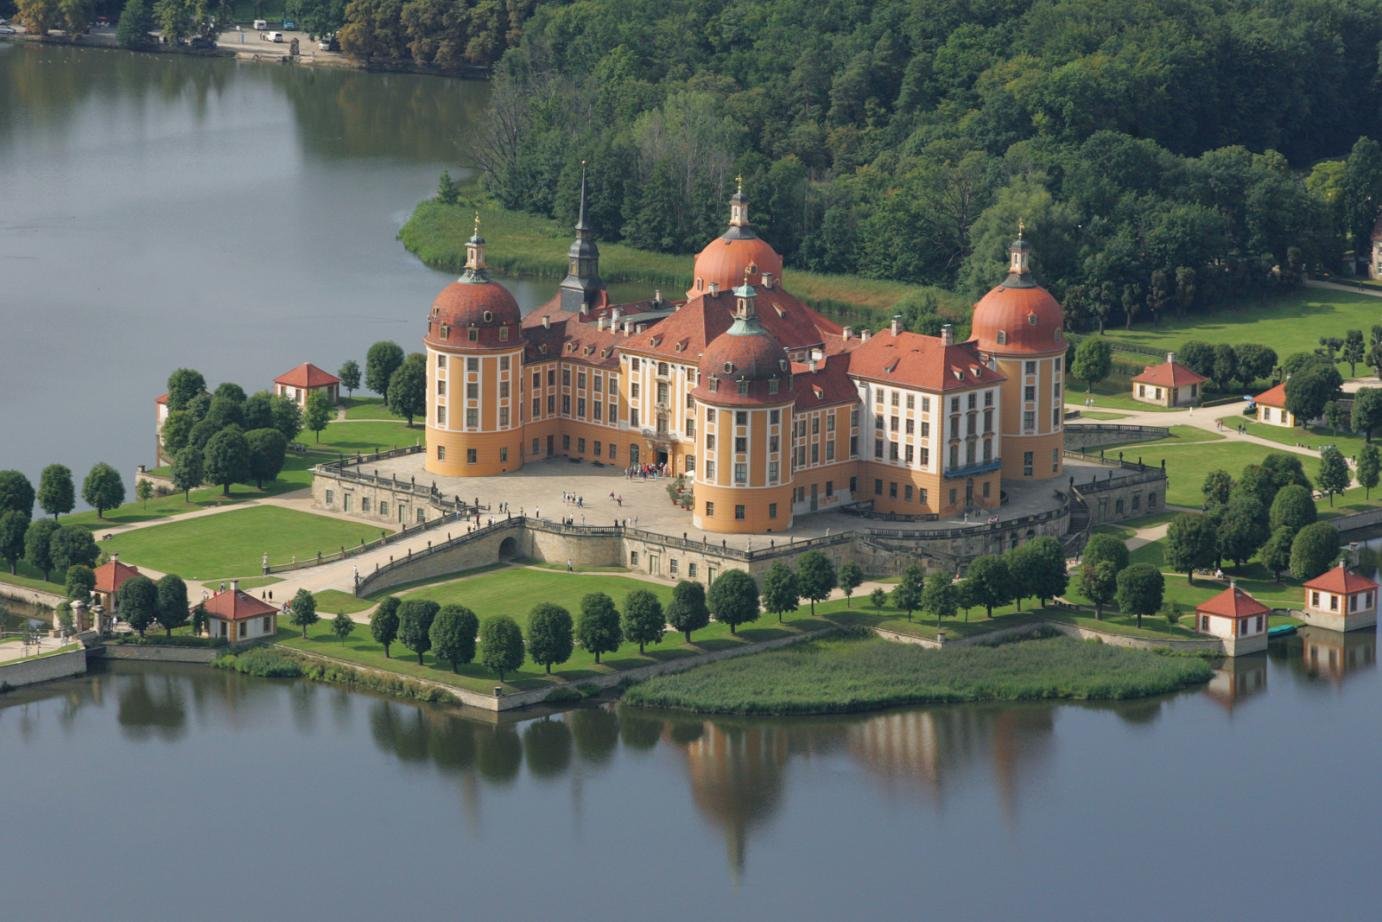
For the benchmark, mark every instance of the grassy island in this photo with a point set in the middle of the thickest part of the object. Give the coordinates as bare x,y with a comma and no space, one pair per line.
853,674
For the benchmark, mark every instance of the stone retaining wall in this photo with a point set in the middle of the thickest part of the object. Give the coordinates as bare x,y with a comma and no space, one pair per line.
1211,645
44,669
29,596
128,651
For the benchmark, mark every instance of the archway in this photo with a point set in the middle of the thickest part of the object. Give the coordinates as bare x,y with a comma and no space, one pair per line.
508,549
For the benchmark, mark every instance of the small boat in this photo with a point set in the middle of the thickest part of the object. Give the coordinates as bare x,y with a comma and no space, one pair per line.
1281,630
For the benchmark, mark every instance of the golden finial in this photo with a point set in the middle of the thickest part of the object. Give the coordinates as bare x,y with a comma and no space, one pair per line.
739,184
477,224
1020,228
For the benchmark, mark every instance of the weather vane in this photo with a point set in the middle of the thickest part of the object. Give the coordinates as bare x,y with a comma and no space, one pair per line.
739,184
1020,228
477,224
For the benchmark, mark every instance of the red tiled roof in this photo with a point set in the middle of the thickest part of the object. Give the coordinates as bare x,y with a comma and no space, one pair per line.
828,385
915,360
1232,603
113,574
1169,374
1341,581
161,399
307,375
1273,397
696,323
570,338
237,605
734,259
1028,317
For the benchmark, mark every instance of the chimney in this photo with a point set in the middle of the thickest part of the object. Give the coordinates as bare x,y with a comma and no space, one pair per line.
614,318
714,289
115,558
767,280
896,326
847,332
657,296
600,322
811,363
1232,583
547,322
1170,357
864,335
235,585
947,335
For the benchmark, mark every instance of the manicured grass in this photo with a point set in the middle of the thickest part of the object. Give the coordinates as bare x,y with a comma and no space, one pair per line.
29,578
1289,323
1349,501
295,476
1096,414
231,544
258,582
362,436
1188,463
1106,396
844,675
1348,443
530,245
369,408
334,601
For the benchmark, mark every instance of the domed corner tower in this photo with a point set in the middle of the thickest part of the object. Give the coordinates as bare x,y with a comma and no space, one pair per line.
743,406
1019,329
474,347
737,256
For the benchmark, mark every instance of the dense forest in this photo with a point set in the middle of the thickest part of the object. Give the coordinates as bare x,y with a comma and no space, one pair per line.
1165,156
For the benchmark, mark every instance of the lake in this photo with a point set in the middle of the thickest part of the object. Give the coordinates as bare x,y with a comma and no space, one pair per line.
159,211
182,792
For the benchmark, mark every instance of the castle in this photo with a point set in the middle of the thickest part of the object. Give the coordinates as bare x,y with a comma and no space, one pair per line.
769,409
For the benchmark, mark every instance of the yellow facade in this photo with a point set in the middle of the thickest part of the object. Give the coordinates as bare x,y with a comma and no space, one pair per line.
1033,415
743,476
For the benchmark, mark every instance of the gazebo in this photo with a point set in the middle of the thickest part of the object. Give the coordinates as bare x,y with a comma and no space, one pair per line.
1340,600
1237,619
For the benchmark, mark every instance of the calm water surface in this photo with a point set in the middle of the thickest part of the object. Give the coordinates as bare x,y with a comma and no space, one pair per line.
181,792
158,211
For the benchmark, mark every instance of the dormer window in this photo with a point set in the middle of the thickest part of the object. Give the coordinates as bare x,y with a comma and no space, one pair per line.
488,316
729,368
1002,337
781,364
714,383
504,334
445,330
1032,319
473,334
772,385
743,386
542,348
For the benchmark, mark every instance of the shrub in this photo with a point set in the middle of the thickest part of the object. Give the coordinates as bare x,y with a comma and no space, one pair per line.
565,694
261,662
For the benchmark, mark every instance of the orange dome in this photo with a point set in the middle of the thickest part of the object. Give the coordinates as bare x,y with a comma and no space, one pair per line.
485,306
728,260
745,364
1019,321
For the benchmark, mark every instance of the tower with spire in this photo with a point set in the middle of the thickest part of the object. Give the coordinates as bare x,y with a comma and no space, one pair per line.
580,290
475,271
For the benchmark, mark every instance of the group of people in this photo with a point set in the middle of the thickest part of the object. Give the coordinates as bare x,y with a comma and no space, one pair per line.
572,499
644,471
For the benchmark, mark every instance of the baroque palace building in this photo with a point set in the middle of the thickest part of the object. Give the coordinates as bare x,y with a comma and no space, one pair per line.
768,408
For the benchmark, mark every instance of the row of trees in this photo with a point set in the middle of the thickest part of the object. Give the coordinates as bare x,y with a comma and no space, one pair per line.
904,140
401,380
46,544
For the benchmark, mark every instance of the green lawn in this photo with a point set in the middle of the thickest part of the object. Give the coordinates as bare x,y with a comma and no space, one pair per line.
334,601
1188,463
230,544
1350,501
514,591
368,408
1097,415
1288,323
362,436
29,578
1348,443
1107,395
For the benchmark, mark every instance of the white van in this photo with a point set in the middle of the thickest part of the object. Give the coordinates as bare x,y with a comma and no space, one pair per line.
276,37
261,24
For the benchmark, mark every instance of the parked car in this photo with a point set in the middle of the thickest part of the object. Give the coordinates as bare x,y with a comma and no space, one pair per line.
6,30
329,43
261,24
275,37
289,24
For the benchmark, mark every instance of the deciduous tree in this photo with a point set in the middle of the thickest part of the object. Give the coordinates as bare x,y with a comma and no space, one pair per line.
408,388
342,626
688,611
1099,584
415,618
144,491
81,579
1334,474
1276,553
16,493
1367,411
907,594
644,621
13,525
1105,547
226,458
383,623
938,597
103,489
501,645
1093,361
453,634
781,590
38,545
349,374
267,450
1140,588
1313,550
302,611
56,494
1308,390
319,413
733,599
137,602
187,472
381,362
172,611
184,385
287,416
816,577
992,582
598,627
70,545
1190,544
1293,507
550,635
850,578
1368,467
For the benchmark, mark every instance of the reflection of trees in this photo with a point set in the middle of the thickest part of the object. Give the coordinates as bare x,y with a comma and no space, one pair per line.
596,732
547,747
637,729
151,705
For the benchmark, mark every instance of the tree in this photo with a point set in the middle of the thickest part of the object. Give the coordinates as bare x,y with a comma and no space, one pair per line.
1354,351
56,494
1281,469
144,491
408,388
1368,466
184,385
1313,550
287,416
137,602
598,626
226,459
319,412
1367,411
688,610
1047,577
1255,362
103,489
501,645
1308,390
992,582
907,594
938,597
342,625
199,619
381,362
1105,547
453,634
1225,367
448,192
850,578
1098,583
1093,361
69,545
383,624
1293,507
177,431
267,450
1335,416
187,471
1216,488
781,590
816,576
1276,553
16,493
878,598
1197,356
734,599
644,621
550,636
136,22
302,610
81,579
1334,474
13,525
1140,588
1242,529
415,617
38,545
172,611
349,373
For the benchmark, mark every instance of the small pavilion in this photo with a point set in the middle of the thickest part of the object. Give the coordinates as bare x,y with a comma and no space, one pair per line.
304,380
110,576
1237,619
1340,600
1271,407
1169,384
238,617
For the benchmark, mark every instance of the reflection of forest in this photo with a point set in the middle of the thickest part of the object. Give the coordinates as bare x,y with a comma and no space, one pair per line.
339,114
